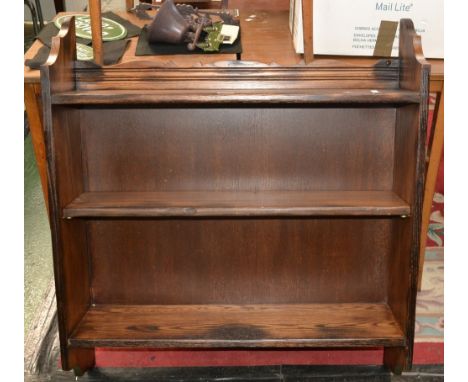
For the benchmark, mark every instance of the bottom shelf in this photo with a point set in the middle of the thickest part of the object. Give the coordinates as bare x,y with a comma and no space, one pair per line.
262,325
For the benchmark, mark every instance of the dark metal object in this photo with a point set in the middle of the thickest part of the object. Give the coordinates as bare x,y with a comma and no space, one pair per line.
178,24
140,11
168,25
192,45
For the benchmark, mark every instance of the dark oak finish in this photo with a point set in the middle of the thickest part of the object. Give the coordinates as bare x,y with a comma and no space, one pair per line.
239,261
239,149
244,96
236,205
327,75
410,135
271,24
229,203
294,325
71,267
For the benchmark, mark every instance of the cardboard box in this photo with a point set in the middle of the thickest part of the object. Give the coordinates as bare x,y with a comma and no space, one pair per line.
350,27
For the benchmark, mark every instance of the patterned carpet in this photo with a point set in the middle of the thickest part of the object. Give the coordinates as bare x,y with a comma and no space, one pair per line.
430,302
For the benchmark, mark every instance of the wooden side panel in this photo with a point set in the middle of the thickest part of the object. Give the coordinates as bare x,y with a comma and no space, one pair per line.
64,160
410,133
239,149
239,261
71,234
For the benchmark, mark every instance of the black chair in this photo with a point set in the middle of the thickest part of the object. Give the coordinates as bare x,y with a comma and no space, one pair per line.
36,14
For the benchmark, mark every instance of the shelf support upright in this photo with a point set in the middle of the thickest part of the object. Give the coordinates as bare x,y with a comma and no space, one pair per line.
308,26
96,30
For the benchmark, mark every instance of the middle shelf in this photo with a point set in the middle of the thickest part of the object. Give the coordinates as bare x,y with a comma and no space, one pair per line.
236,203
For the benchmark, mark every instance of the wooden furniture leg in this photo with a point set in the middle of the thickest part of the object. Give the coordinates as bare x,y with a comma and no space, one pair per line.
431,178
96,30
395,359
32,93
307,22
79,360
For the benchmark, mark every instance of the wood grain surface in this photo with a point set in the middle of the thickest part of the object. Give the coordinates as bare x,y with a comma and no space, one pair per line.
96,30
228,203
239,261
348,150
302,325
238,149
107,97
64,160
410,136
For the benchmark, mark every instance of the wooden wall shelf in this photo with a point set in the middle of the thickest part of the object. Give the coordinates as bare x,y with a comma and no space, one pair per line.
238,203
262,325
220,206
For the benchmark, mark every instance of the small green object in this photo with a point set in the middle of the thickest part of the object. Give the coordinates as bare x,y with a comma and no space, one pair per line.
84,52
111,30
214,38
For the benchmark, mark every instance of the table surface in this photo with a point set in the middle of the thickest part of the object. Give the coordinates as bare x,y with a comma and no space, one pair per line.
271,28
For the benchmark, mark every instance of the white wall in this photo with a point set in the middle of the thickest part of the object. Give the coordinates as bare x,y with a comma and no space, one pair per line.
48,8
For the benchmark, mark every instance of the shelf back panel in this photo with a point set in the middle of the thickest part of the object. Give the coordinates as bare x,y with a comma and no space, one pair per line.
238,149
239,261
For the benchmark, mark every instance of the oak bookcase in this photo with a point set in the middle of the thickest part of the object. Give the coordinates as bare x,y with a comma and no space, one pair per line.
236,205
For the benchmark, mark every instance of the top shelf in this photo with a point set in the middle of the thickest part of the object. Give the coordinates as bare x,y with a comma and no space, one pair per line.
270,26
255,79
298,96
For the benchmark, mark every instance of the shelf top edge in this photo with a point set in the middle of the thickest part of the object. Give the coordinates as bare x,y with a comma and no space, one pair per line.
236,66
104,204
240,95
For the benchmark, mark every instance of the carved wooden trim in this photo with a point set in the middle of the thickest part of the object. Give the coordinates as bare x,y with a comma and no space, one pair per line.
384,75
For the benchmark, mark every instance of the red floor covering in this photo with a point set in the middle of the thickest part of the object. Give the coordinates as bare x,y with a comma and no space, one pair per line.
424,354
